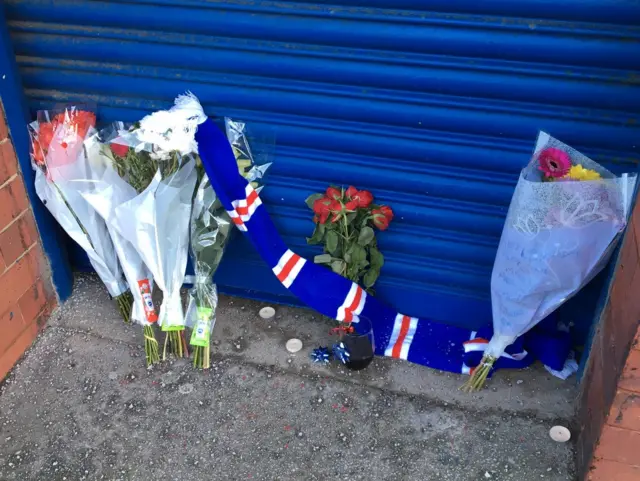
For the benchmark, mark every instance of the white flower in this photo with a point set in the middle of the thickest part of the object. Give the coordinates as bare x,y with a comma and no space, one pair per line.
160,155
173,129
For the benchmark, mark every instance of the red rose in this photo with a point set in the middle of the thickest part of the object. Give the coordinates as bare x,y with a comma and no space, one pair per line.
119,149
78,121
351,205
36,152
351,191
45,135
61,118
335,206
320,205
83,121
333,193
379,219
363,198
388,213
321,209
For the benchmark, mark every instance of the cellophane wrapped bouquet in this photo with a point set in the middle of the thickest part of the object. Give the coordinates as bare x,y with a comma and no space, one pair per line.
157,157
566,215
210,231
101,185
59,158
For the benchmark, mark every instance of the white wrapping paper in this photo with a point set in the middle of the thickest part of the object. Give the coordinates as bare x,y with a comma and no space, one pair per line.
104,190
79,220
157,222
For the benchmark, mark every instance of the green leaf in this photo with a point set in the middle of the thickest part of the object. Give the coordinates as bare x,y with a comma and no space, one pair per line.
351,217
358,254
376,258
371,277
366,236
323,259
312,198
337,266
318,235
331,241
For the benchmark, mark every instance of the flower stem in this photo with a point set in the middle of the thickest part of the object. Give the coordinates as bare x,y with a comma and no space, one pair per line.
479,377
124,302
346,227
201,357
150,345
177,344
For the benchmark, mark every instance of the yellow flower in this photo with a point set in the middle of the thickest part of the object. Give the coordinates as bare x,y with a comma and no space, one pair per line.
577,172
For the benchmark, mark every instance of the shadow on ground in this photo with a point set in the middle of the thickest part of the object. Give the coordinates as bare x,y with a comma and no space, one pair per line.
82,406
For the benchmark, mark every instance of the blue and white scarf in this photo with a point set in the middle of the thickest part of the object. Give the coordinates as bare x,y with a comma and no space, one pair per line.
432,344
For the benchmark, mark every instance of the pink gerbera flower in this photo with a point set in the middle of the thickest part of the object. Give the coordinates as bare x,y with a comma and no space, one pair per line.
554,162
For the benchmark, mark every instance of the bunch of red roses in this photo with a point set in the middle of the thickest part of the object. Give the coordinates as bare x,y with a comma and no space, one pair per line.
344,219
66,128
336,203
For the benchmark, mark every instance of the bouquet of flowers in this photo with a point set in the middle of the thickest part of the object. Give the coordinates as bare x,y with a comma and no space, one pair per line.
565,217
210,231
344,224
59,158
345,221
157,158
104,189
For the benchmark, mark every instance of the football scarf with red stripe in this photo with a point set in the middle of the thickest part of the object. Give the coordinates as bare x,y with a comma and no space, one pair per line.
425,342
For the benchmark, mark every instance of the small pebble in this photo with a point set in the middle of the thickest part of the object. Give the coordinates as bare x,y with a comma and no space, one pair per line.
186,388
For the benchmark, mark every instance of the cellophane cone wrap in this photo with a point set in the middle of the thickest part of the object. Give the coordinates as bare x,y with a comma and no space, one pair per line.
557,236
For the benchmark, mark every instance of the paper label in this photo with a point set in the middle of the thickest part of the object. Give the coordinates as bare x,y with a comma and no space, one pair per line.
147,301
202,329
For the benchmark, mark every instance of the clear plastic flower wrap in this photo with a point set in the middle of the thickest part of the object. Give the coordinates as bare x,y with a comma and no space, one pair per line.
157,158
566,215
58,159
211,228
104,189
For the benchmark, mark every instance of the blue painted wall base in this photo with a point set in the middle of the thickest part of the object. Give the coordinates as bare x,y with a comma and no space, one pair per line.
17,113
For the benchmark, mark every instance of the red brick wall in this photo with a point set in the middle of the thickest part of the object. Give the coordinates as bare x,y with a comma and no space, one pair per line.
26,292
617,457
608,437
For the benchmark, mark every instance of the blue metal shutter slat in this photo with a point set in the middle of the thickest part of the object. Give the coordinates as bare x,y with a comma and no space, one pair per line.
434,111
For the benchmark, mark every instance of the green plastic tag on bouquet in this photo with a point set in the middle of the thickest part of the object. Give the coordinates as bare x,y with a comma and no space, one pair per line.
167,328
202,329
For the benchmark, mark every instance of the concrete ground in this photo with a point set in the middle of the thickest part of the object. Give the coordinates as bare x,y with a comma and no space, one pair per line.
82,406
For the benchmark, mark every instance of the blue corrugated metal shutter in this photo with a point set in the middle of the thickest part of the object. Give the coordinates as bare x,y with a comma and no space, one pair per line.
434,111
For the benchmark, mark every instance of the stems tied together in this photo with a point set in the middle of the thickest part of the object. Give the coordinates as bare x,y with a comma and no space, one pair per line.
125,302
151,350
479,377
